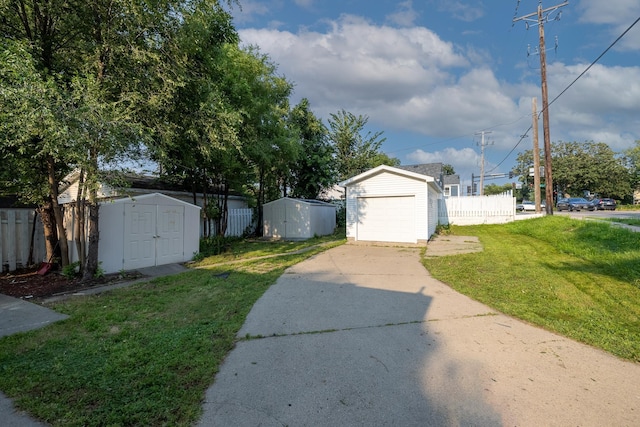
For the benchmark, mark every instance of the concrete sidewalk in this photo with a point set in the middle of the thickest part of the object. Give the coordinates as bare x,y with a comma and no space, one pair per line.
364,336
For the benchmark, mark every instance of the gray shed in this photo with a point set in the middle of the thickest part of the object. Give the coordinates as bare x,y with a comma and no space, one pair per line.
298,219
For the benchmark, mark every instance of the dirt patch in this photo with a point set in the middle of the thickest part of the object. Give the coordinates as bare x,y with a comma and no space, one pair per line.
27,283
443,245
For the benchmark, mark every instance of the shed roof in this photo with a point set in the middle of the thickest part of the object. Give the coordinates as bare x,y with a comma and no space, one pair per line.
145,197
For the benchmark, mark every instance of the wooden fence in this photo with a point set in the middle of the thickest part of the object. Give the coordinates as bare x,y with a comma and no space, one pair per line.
20,243
474,210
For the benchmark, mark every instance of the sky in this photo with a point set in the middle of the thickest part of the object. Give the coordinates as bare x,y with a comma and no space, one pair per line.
432,75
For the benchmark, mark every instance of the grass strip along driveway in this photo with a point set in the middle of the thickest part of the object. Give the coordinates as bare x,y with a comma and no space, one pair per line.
145,354
578,278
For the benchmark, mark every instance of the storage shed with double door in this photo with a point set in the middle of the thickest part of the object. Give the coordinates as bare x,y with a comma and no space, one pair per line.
298,219
388,204
145,231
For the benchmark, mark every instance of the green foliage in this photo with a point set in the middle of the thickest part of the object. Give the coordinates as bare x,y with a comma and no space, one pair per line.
578,278
71,270
579,167
215,245
447,169
496,189
443,229
314,170
355,152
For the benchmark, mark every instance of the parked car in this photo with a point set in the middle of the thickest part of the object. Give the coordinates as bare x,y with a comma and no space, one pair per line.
528,205
574,204
604,204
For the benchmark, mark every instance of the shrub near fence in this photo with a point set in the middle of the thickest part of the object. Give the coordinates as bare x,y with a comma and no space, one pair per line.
16,231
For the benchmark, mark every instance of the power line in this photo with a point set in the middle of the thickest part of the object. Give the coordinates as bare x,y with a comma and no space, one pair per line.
567,88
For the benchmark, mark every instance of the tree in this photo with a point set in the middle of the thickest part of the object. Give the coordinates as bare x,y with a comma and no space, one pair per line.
590,166
313,171
447,169
266,146
632,158
116,64
355,152
579,167
496,189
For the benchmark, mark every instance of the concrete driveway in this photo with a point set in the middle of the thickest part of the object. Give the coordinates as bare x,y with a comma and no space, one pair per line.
364,336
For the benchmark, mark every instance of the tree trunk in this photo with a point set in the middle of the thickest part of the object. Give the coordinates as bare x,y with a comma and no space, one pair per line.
259,230
91,263
57,212
223,206
48,224
80,222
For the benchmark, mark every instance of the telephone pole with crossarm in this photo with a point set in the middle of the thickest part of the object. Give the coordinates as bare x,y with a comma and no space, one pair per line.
539,18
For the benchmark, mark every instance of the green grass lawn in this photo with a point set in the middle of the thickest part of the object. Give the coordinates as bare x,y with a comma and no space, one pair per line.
142,355
578,278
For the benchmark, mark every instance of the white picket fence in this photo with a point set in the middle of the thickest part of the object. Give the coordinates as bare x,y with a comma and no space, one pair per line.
16,229
474,210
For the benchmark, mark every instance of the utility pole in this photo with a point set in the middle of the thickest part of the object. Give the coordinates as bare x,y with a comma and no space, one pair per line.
542,16
482,145
536,156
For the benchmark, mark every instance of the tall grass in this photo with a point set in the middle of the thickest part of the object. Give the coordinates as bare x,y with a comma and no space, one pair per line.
577,278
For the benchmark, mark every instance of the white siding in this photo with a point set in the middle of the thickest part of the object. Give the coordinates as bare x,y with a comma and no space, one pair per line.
390,185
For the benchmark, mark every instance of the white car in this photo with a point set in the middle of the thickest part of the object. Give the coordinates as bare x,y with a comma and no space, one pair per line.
528,205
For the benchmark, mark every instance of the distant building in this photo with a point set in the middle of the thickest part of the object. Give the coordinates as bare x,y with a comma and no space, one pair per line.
450,184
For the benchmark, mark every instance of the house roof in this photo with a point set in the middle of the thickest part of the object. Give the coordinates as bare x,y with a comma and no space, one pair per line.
434,170
389,169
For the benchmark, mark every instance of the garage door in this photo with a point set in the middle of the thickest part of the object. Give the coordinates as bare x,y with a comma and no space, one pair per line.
386,219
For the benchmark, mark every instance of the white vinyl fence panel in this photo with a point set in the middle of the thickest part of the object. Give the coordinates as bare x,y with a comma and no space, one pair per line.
238,221
16,229
474,210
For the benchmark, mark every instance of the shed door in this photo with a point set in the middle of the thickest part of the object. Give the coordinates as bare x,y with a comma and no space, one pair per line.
139,236
153,235
170,237
386,219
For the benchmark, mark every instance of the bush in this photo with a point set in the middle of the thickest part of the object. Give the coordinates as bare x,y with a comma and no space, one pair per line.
214,245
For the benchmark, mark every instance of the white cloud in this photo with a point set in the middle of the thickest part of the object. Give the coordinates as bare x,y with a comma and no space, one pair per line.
412,81
467,12
405,16
465,161
249,9
618,15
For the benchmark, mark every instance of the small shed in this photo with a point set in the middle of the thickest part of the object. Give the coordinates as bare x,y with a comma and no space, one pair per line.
298,219
388,204
145,231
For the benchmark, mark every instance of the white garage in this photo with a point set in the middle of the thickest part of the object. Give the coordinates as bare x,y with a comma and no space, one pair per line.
387,204
145,231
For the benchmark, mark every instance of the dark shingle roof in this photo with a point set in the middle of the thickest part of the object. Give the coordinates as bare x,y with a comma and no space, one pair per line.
434,170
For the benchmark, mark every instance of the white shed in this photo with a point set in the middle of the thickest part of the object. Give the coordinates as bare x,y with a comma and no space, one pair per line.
298,219
145,231
387,204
